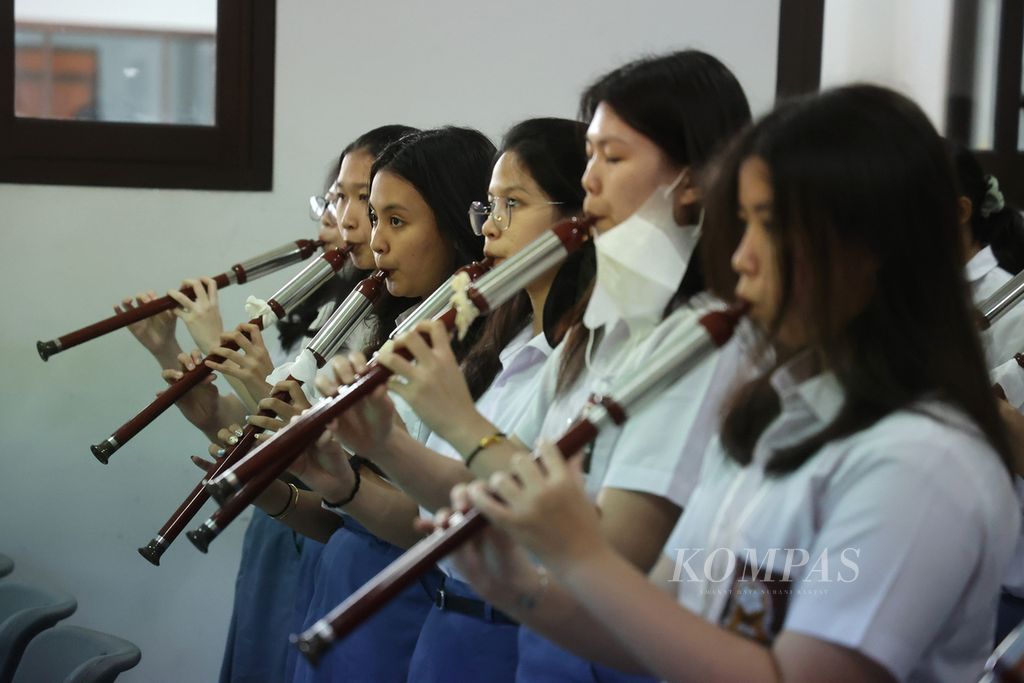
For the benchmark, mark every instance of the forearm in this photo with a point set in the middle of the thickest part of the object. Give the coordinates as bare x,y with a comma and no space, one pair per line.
245,397
674,643
424,474
556,614
384,510
306,516
167,355
465,433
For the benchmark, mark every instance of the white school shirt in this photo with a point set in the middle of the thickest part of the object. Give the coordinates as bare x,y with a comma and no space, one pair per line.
1006,337
506,398
897,536
1010,376
659,448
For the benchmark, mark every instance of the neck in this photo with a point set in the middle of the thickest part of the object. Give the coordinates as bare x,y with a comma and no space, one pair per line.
538,292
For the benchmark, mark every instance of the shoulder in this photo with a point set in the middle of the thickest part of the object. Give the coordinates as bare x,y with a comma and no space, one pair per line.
932,452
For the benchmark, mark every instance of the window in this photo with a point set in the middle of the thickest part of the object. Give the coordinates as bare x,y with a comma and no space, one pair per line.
960,59
96,94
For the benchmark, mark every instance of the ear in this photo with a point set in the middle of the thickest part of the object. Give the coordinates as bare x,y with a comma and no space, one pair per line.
965,208
687,198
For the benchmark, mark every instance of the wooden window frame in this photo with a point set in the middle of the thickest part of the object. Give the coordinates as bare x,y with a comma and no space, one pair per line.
234,154
801,25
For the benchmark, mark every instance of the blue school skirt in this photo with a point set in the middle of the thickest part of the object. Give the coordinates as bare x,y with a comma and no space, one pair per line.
541,661
265,602
379,650
464,639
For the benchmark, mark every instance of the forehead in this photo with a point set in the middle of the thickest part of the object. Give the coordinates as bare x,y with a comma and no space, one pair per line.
509,171
355,168
608,124
755,184
389,188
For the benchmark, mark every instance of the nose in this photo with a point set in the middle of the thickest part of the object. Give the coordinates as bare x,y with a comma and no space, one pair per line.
350,216
490,230
378,243
328,229
744,259
351,225
591,181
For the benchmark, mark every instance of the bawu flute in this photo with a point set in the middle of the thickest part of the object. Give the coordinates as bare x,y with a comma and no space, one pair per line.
673,358
493,289
430,308
328,341
294,292
240,273
1001,301
250,476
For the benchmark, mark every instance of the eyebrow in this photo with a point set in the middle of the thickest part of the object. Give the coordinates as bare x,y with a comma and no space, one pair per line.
502,191
605,139
356,186
393,207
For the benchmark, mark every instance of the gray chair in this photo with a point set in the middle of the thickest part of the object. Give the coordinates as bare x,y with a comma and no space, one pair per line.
6,565
25,610
73,654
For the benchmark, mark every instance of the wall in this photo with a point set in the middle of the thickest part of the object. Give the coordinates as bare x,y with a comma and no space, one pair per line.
872,40
69,253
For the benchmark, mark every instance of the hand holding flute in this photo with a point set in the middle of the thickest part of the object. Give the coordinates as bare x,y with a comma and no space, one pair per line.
239,273
291,294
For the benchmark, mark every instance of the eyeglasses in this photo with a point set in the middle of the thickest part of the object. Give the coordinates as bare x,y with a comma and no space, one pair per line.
318,205
498,210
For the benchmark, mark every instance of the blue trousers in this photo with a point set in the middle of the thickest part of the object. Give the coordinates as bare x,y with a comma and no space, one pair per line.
265,602
458,647
541,661
380,649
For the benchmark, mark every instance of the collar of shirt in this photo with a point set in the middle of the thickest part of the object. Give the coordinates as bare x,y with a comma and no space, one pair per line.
520,354
806,394
981,264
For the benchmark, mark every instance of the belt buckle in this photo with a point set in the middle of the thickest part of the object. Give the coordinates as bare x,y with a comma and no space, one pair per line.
441,599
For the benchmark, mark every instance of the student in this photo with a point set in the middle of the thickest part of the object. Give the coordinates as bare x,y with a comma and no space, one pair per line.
993,234
274,582
653,125
534,184
420,188
862,442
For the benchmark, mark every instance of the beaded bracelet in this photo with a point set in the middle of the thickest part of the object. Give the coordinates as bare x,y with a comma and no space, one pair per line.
484,443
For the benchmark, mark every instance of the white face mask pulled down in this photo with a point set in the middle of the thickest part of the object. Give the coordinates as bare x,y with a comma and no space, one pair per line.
640,263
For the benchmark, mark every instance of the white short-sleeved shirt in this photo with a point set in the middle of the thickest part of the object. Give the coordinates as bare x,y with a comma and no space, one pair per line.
1006,337
894,540
506,398
659,448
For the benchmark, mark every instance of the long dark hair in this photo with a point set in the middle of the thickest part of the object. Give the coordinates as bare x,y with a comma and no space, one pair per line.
689,104
553,152
296,326
863,187
450,168
1002,229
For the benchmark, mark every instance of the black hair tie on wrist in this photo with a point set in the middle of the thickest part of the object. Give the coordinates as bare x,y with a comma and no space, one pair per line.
356,463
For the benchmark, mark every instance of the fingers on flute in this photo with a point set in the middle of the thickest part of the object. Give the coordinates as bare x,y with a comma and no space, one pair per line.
395,363
270,424
229,435
204,465
210,286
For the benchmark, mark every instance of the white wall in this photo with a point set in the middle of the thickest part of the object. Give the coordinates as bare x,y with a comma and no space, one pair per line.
68,253
872,41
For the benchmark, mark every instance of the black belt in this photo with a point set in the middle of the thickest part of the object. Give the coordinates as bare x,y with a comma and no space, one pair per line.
471,607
